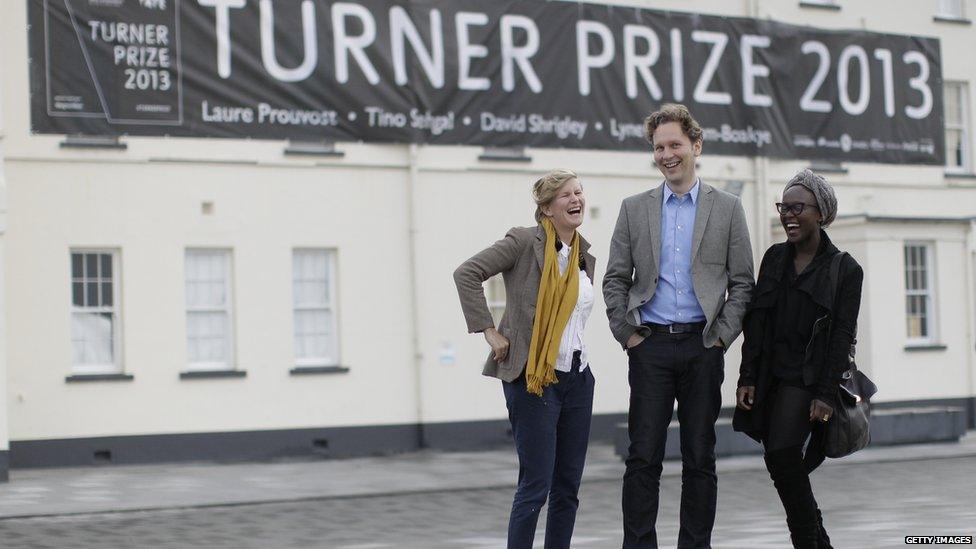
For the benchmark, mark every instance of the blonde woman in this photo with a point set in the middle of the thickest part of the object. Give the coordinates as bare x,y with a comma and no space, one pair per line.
538,353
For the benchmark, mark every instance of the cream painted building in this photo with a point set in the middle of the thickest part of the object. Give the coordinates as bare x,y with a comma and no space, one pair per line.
177,298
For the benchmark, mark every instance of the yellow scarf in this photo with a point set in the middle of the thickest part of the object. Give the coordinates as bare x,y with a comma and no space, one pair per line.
553,307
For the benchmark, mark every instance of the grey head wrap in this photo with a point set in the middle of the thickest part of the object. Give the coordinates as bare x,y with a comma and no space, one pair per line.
822,191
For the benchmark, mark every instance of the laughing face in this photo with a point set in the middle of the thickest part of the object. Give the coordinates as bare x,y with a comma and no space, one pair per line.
800,227
674,154
566,209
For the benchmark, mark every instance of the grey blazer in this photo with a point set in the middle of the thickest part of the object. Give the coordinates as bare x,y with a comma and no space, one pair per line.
721,266
519,257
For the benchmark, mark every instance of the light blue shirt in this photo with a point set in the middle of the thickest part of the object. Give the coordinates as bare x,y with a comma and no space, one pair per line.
674,300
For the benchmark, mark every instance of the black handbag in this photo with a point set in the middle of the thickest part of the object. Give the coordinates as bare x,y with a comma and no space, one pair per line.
849,427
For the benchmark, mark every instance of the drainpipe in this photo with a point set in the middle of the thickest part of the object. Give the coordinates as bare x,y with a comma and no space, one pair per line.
969,266
761,205
413,176
4,433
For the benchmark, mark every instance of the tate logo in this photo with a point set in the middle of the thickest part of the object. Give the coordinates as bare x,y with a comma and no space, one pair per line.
153,4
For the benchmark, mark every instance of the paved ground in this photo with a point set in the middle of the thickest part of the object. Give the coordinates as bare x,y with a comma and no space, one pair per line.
431,500
866,505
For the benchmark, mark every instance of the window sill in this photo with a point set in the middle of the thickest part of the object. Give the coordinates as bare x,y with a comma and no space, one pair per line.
828,168
210,374
311,370
93,142
504,154
925,347
819,6
954,20
960,175
84,378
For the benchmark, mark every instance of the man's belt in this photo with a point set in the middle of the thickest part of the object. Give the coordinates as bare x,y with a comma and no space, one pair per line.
691,328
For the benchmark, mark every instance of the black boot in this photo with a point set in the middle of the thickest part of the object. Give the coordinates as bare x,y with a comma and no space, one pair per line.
792,482
824,538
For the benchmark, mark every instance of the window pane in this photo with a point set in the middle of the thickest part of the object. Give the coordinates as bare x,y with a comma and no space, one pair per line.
207,279
91,294
950,8
106,294
312,332
106,265
310,278
953,103
77,268
92,336
206,334
954,144
77,294
91,265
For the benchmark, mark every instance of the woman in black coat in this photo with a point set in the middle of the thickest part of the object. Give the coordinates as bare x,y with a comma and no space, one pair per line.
791,361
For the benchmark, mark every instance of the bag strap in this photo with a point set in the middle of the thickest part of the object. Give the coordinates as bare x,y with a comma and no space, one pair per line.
834,283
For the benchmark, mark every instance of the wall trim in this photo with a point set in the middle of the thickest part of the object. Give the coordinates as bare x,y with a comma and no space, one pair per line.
321,443
236,446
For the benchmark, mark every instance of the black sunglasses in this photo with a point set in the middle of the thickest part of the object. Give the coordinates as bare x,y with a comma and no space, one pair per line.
796,208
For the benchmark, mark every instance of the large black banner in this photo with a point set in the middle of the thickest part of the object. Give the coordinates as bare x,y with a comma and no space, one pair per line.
504,73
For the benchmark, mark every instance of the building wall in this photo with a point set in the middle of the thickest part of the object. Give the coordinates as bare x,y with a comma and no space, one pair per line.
401,219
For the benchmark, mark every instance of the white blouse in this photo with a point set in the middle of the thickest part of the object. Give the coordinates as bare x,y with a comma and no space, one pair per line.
572,339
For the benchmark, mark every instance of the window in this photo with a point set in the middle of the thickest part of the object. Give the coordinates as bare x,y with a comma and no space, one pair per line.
951,9
919,310
94,312
957,128
313,289
209,332
495,295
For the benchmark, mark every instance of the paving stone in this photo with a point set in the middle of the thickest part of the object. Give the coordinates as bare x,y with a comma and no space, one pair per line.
866,505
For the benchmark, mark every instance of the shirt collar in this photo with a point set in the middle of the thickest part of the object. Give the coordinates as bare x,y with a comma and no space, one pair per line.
693,192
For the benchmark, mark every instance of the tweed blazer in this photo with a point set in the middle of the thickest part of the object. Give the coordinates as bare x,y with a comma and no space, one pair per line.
519,257
721,264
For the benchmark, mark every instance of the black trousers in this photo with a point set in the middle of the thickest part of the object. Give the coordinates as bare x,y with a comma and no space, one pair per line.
665,368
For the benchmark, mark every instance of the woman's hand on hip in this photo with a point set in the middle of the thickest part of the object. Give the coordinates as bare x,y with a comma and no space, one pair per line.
745,396
820,411
498,343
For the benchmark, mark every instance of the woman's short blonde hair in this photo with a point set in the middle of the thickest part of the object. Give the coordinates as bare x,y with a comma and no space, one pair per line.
544,190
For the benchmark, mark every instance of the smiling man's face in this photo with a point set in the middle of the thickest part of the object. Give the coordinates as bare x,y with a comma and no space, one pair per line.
675,154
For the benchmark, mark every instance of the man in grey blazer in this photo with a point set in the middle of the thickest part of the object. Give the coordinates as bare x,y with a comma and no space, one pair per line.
679,278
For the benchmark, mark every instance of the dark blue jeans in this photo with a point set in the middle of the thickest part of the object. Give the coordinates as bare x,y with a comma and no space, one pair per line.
663,368
551,434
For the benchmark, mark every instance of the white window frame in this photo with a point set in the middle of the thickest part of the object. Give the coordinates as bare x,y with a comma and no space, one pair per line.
114,367
495,297
962,125
951,9
211,366
330,306
931,323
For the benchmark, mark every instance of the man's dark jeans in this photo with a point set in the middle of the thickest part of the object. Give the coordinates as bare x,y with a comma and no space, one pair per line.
551,434
665,367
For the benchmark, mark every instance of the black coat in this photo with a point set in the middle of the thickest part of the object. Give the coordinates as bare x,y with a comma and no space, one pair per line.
825,361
